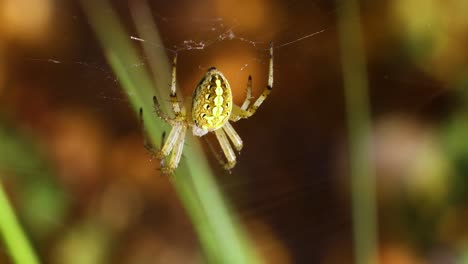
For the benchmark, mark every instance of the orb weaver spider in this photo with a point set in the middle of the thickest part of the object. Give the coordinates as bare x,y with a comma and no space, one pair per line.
211,111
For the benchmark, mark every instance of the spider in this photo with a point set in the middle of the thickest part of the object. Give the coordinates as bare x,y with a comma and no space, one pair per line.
212,110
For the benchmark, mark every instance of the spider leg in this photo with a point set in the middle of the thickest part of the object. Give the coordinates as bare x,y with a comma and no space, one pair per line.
163,139
233,136
227,149
147,143
240,112
168,145
161,114
248,94
174,144
176,152
218,157
174,101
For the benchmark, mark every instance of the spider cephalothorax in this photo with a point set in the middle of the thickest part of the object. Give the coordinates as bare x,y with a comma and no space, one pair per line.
211,111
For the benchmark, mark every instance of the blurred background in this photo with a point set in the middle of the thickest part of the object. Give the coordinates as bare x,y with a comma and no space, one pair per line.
85,190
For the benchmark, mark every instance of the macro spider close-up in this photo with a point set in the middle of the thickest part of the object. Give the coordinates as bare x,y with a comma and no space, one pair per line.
212,110
120,141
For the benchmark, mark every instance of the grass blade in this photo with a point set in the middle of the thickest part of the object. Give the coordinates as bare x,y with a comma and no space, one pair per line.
358,116
220,236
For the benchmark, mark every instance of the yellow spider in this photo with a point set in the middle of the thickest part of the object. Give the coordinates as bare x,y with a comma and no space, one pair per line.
212,109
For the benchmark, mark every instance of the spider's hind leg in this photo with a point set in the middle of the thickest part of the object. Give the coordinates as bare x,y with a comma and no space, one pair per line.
233,136
247,110
248,94
227,150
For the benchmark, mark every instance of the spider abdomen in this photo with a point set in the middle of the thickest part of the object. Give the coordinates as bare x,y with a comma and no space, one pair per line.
212,101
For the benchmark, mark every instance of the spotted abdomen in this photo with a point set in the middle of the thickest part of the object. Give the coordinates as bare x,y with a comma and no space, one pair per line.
212,101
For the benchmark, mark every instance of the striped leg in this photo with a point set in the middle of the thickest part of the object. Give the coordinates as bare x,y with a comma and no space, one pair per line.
248,95
171,140
176,152
174,101
233,136
161,114
227,149
239,112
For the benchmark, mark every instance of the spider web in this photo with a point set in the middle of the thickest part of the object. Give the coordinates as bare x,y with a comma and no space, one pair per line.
210,33
213,33
294,42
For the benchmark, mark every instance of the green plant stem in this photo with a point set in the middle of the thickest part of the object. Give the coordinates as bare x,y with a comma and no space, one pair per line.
15,239
221,238
358,117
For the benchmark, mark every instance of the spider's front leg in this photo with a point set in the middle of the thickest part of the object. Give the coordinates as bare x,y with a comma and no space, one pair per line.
233,136
177,149
174,143
176,107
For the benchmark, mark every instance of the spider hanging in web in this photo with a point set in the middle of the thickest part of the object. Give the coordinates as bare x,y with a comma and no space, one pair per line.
212,110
